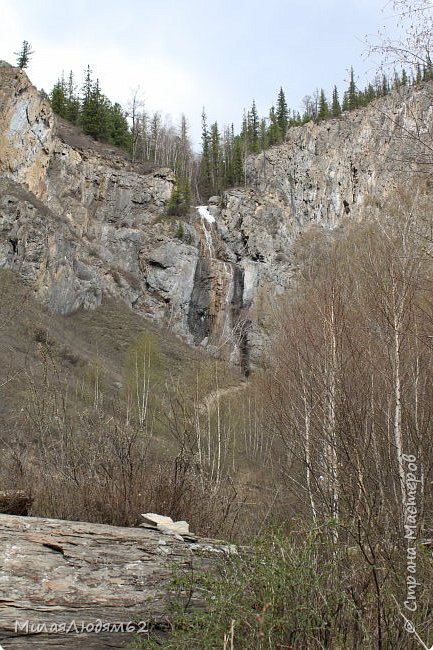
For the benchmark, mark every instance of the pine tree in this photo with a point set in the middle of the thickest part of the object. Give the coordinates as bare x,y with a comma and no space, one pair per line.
282,114
185,152
369,93
274,133
253,129
352,94
227,156
205,177
396,81
86,117
238,161
72,101
336,108
94,109
215,159
296,119
119,133
323,112
58,97
263,135
179,203
155,128
87,87
23,56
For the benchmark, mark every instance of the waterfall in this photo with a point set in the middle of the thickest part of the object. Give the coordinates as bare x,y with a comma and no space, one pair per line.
215,310
206,218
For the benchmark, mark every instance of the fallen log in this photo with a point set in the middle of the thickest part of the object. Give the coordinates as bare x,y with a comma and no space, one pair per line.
15,502
66,584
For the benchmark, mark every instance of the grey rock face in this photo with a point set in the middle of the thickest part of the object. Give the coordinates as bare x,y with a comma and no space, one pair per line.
26,130
78,220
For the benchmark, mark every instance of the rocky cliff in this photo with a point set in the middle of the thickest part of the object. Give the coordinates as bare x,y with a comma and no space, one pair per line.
80,221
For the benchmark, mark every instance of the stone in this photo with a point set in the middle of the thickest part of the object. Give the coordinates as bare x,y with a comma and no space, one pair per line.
174,528
165,525
57,573
154,520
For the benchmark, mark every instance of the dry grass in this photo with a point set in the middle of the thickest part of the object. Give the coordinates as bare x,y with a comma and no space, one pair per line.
71,430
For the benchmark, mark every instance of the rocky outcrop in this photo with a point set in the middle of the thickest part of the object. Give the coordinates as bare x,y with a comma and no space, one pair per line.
26,131
79,220
324,175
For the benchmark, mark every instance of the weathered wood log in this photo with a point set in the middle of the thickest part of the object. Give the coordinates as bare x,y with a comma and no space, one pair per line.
71,585
15,502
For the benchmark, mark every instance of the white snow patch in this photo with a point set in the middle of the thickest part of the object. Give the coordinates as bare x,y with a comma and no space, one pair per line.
205,214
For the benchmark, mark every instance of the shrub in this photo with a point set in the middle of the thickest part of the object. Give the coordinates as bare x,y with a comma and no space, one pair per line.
297,591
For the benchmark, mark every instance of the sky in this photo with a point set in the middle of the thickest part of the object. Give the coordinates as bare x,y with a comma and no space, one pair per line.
183,55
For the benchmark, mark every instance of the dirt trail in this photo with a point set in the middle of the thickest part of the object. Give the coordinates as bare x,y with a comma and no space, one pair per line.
211,398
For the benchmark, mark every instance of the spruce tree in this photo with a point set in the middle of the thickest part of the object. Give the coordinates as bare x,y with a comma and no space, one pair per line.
87,108
238,161
155,128
352,94
227,154
274,133
215,159
87,87
336,108
369,93
23,56
119,133
385,86
185,147
323,111
282,113
253,129
58,98
72,101
263,135
396,81
205,178
94,110
179,203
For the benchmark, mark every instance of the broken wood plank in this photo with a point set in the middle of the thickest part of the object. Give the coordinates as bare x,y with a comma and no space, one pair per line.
60,580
